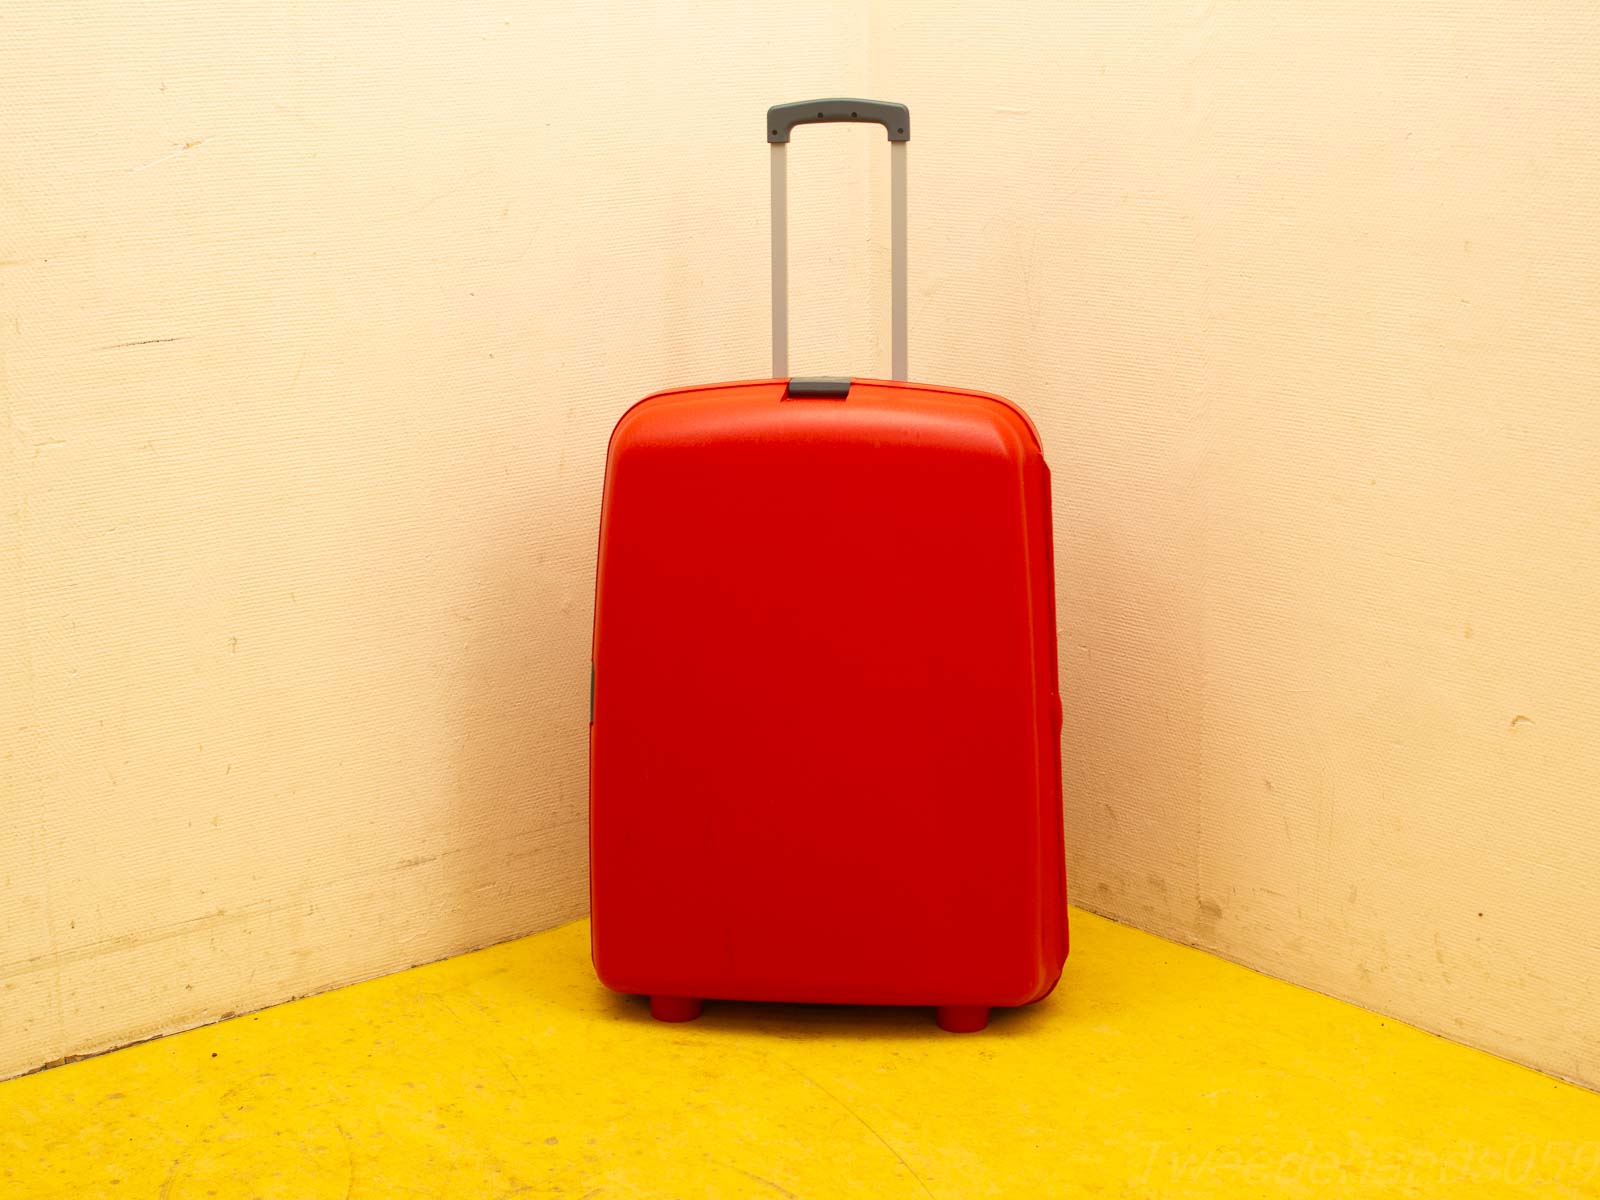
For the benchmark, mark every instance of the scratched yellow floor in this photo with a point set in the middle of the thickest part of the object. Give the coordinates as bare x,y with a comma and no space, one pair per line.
1153,1071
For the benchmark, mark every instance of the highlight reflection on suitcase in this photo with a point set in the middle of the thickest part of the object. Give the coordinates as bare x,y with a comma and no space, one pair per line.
825,726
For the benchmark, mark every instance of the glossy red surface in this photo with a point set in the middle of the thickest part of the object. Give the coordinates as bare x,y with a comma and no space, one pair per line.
824,749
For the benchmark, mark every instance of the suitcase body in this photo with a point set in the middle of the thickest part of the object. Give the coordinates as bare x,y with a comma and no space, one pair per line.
825,726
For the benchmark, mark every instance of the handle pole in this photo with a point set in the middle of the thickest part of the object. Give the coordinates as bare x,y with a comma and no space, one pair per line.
780,261
897,260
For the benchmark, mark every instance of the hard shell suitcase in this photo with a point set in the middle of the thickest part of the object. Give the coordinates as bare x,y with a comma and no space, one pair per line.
824,718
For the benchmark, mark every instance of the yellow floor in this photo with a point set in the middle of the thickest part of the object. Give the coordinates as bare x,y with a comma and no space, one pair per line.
1153,1071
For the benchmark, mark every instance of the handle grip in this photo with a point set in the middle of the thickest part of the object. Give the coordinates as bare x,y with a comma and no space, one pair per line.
895,118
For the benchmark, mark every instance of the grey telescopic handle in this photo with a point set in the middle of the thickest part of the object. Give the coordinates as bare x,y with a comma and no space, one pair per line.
896,120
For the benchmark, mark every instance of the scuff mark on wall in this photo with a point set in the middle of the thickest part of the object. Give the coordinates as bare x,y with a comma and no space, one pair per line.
178,153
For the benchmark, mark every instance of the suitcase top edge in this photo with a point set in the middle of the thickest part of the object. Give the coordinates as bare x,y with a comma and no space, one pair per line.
1031,431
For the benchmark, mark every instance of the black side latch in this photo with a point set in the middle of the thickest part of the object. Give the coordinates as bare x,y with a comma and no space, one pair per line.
818,387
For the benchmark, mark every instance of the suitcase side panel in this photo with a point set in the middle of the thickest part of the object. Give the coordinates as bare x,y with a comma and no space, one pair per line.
1053,883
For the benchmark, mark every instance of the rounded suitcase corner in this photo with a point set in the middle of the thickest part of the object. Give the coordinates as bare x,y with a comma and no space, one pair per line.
605,971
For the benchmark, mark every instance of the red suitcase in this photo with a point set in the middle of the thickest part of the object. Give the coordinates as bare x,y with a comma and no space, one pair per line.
824,721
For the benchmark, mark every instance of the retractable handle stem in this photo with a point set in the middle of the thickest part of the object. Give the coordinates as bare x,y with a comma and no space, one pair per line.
896,121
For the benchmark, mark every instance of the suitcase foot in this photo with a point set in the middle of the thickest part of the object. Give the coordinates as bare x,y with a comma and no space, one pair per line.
674,1008
962,1018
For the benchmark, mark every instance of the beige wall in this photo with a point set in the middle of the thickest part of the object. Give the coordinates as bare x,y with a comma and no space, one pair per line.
313,322
1306,302
314,319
